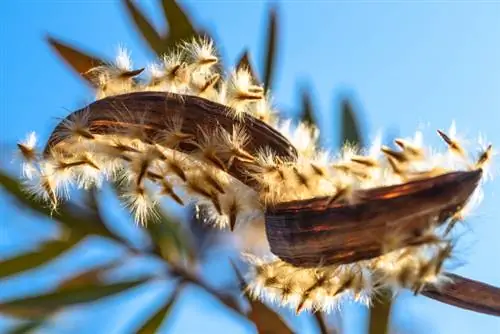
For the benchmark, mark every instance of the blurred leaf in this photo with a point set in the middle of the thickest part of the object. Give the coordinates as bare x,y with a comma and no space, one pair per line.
245,62
380,313
266,320
170,240
26,326
72,216
180,26
78,60
44,304
30,260
203,237
271,48
320,321
307,113
350,126
149,33
91,276
163,313
94,201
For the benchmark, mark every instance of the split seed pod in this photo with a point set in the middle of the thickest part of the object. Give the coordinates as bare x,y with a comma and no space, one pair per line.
305,233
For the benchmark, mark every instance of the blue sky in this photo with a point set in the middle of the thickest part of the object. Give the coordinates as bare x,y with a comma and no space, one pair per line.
405,64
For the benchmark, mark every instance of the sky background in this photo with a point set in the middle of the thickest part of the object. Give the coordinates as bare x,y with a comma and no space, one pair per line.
406,65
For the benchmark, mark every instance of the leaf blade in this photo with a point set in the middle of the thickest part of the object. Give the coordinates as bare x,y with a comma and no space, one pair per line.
26,327
380,313
81,221
48,303
350,131
81,62
168,236
170,243
265,319
307,112
271,48
154,323
180,25
147,30
245,62
30,260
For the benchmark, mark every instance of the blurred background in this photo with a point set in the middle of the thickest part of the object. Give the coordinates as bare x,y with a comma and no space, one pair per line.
355,68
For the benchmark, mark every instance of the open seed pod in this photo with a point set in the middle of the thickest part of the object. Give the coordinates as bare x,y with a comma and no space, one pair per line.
147,114
336,226
312,233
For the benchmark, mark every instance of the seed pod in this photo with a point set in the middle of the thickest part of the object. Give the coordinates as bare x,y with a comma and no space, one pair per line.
151,110
307,232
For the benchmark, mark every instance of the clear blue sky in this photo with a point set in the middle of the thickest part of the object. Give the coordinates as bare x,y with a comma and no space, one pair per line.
404,63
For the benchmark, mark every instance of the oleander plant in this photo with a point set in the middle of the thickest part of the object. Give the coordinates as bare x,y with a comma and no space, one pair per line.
314,229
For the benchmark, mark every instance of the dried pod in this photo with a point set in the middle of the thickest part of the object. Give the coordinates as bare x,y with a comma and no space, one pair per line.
151,110
336,226
467,294
308,233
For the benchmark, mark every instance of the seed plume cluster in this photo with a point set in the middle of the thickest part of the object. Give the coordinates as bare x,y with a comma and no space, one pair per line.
220,168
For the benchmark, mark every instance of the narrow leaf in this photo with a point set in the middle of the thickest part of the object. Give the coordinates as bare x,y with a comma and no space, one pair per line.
52,301
380,313
307,113
73,217
26,327
245,62
30,260
78,60
92,276
271,48
265,319
171,242
170,238
180,25
148,32
153,324
350,127
320,321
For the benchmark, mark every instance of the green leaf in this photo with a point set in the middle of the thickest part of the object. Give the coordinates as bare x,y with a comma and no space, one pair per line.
48,303
350,128
171,242
307,113
271,48
78,60
169,237
30,260
26,326
91,276
265,319
380,313
75,218
154,323
180,26
245,62
148,32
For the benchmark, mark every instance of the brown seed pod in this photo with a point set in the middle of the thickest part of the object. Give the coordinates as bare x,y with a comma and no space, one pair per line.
317,231
467,294
151,110
314,232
